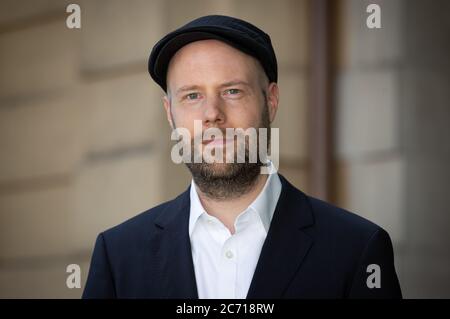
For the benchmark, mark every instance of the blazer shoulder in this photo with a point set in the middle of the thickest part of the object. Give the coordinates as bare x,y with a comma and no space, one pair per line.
139,225
341,222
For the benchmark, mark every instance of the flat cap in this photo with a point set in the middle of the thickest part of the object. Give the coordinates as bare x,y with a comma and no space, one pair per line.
240,34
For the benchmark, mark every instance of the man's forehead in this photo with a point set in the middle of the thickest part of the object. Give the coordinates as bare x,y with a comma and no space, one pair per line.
206,43
209,49
211,61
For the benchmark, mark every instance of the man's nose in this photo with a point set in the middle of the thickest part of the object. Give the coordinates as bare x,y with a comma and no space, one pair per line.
213,113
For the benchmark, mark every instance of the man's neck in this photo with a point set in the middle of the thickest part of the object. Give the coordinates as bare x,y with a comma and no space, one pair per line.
227,210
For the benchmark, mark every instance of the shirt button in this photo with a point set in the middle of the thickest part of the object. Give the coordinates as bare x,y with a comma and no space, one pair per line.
229,254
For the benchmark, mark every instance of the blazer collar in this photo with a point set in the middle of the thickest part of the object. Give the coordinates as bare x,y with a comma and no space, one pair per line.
175,258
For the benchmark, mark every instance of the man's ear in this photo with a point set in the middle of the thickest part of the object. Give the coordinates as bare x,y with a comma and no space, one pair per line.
167,106
273,96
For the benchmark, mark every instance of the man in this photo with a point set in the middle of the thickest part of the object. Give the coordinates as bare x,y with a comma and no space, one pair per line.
235,233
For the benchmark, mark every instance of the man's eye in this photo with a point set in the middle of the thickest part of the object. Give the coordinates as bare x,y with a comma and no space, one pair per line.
233,91
192,96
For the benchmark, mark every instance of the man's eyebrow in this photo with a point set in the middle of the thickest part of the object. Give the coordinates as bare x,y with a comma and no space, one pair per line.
187,88
234,82
197,87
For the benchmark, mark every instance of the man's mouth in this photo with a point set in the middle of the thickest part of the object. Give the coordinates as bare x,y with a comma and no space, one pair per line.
217,142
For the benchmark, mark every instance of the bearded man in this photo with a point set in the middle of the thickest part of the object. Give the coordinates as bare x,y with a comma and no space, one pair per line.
236,232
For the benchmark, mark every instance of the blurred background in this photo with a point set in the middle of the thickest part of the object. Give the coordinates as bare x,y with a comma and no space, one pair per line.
364,123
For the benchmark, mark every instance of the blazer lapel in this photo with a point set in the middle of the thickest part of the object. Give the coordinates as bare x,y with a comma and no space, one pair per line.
174,250
285,247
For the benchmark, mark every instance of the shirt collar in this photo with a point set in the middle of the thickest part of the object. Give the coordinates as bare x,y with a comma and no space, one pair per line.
264,204
266,201
196,208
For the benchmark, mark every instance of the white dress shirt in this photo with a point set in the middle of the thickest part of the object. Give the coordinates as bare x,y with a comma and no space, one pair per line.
224,264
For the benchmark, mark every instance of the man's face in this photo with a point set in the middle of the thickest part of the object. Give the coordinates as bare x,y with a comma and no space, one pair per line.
222,87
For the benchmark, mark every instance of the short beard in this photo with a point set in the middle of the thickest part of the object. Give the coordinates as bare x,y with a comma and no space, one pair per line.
222,181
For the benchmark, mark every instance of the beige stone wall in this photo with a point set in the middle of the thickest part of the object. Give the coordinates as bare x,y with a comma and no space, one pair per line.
367,114
369,156
83,137
392,119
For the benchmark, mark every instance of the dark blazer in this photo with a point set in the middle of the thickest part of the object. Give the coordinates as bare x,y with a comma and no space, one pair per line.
312,250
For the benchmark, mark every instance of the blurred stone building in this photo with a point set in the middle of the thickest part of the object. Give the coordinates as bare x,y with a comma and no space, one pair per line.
85,145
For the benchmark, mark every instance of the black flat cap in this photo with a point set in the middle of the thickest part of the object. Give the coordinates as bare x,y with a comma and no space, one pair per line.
235,32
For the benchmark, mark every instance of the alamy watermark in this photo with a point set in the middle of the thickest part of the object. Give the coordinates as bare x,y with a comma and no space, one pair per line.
373,21
374,279
74,279
237,145
73,20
